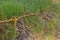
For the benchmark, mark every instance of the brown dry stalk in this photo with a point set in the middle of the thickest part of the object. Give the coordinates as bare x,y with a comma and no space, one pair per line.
17,18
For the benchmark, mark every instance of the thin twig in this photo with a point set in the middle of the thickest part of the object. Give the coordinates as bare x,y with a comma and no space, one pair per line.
13,19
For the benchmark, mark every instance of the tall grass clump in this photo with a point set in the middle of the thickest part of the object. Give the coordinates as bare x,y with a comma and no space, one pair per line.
41,25
10,8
